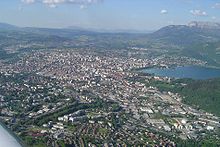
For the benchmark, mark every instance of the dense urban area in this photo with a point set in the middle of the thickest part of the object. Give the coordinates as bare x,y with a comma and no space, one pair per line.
87,96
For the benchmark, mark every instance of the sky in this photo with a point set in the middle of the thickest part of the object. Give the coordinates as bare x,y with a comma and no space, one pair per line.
107,14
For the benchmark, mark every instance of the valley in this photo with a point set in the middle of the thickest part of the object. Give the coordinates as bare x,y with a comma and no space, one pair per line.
66,87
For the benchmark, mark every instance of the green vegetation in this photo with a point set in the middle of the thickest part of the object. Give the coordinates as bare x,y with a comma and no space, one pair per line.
33,141
202,94
72,108
206,142
103,131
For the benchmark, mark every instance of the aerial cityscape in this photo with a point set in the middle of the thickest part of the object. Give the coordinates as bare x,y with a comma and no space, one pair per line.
70,77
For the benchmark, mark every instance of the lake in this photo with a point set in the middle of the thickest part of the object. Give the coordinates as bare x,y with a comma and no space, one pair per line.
6,139
193,72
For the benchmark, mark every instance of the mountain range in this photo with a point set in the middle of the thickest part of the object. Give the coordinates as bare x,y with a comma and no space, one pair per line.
200,40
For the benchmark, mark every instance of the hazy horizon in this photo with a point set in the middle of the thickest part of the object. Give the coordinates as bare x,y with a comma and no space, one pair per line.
107,14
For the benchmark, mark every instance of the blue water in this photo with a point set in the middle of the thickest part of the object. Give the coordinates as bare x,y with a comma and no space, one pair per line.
193,72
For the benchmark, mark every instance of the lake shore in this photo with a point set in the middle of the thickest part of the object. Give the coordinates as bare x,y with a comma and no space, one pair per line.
192,72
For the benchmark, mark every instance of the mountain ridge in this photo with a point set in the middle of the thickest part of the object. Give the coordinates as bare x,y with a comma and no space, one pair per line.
7,26
204,25
193,25
192,40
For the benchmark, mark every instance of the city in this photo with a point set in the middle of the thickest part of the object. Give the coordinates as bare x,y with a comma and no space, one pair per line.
110,73
70,97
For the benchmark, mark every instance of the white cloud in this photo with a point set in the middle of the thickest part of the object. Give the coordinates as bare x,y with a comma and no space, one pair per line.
216,6
54,3
28,1
163,11
83,6
213,17
198,13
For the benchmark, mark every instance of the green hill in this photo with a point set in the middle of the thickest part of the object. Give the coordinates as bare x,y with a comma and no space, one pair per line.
202,94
